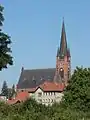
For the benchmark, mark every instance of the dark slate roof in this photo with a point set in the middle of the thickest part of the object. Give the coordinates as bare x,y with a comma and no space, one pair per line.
35,77
63,44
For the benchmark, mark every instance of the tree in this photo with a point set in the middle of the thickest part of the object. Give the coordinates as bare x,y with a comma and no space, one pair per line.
12,92
1,15
77,93
4,90
5,41
9,93
13,89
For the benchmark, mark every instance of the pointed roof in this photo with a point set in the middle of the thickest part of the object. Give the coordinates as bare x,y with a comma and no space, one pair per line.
63,43
58,52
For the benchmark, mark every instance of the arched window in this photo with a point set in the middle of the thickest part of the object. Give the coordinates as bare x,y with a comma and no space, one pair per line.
61,72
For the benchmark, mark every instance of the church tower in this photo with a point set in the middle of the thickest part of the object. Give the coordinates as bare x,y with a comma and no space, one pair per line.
63,60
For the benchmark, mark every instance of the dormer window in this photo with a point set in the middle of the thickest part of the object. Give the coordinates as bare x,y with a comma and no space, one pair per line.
49,78
41,78
24,79
33,78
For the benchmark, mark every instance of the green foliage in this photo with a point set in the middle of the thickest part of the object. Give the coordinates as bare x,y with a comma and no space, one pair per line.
12,92
30,110
5,41
4,91
77,94
1,15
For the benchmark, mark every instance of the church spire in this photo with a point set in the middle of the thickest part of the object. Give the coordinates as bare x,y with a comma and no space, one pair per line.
63,43
63,61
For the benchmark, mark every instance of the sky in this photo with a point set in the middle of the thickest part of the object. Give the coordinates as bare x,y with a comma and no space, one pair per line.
35,29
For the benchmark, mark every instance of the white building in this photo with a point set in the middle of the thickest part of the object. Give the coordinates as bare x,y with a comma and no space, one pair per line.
47,93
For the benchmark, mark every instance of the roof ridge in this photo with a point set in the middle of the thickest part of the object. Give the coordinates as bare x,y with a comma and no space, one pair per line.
39,69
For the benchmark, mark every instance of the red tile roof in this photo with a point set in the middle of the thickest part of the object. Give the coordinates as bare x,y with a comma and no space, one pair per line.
46,86
12,101
21,96
49,86
52,86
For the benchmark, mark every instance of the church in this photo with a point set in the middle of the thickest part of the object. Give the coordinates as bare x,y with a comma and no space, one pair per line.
60,74
46,86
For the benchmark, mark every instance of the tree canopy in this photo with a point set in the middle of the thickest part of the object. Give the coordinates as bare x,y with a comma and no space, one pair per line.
77,93
5,41
4,91
12,92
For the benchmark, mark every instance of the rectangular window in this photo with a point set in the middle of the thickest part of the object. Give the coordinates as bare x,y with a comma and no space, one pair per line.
49,100
52,100
40,100
39,94
43,100
51,93
46,93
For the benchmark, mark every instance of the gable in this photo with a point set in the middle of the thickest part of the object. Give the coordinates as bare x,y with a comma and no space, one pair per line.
39,90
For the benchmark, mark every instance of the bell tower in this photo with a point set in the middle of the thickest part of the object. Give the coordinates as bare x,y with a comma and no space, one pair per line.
63,60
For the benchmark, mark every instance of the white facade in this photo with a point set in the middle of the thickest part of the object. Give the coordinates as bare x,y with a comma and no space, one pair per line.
47,98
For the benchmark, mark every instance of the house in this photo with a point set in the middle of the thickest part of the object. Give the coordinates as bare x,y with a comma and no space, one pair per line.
48,93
